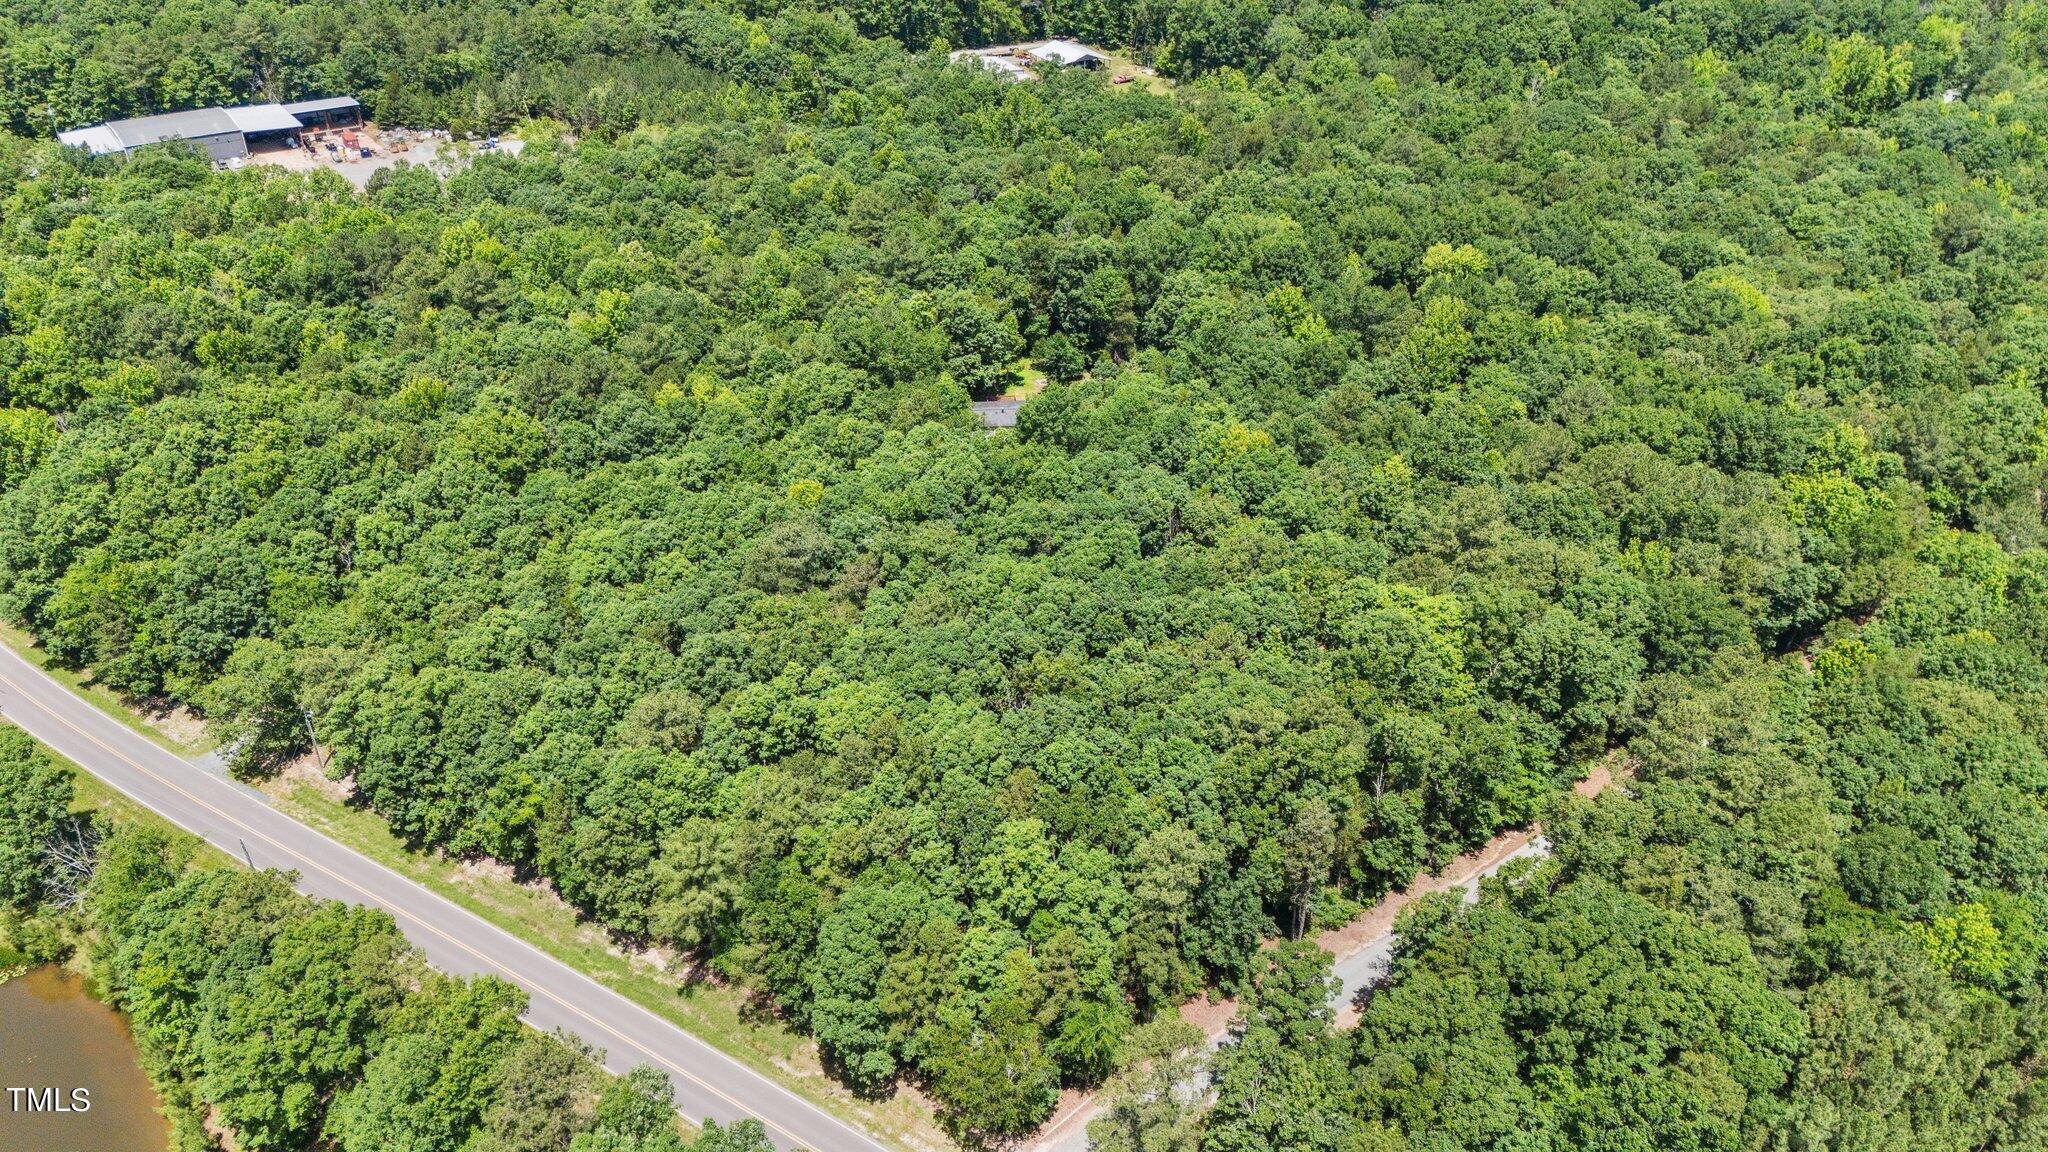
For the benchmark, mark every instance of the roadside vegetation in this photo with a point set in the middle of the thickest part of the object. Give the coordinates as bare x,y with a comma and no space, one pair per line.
670,985
270,1021
1440,397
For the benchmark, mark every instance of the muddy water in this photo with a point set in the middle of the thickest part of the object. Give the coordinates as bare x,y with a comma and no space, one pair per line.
52,1035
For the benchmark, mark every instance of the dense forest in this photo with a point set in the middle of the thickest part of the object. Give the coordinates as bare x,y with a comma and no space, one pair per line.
276,1021
486,64
1440,398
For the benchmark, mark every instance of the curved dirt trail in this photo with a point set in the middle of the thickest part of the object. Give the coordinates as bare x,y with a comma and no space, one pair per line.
1362,949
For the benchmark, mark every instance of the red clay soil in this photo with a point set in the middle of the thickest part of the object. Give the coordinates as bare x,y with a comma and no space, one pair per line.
1213,1017
1378,920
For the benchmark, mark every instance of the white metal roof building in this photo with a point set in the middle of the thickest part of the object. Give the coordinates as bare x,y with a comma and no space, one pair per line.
98,139
1071,53
263,118
223,133
1016,61
332,112
204,126
329,104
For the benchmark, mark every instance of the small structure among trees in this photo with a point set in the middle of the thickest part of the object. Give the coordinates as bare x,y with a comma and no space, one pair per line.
1022,61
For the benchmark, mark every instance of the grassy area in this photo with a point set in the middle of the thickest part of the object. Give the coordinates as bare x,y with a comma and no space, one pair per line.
1122,65
717,1015
1027,380
113,703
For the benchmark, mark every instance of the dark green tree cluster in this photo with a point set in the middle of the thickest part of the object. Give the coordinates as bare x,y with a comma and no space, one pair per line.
35,803
1437,393
282,1019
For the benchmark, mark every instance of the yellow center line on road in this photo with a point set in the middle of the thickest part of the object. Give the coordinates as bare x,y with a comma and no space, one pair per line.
370,898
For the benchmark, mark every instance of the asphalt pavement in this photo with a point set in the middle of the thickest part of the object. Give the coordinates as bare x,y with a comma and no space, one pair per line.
237,820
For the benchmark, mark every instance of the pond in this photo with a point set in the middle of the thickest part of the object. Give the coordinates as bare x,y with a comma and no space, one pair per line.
54,1036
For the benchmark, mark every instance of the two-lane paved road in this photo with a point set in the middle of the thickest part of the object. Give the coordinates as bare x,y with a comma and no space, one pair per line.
709,1084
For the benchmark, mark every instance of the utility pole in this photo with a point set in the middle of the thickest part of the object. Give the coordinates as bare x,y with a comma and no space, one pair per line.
319,758
245,853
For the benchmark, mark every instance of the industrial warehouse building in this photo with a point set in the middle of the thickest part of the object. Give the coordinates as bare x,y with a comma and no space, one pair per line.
1021,61
223,133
